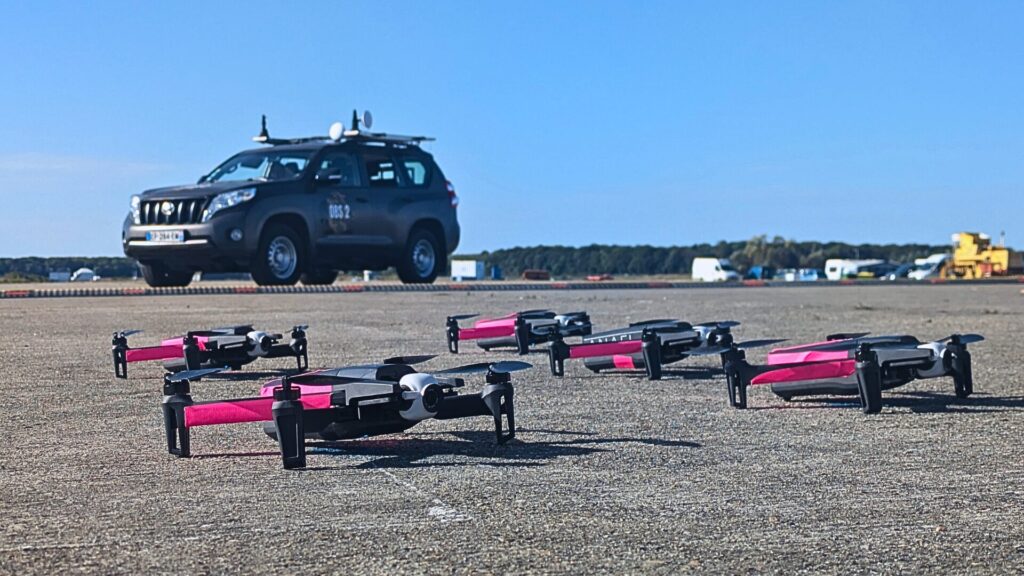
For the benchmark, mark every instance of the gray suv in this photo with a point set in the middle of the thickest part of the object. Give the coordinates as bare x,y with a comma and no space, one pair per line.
302,209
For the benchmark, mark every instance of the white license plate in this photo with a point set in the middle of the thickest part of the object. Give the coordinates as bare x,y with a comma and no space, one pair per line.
167,236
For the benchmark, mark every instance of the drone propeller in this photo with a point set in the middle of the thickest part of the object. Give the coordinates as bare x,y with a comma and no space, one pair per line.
193,375
759,343
127,333
458,317
720,324
846,335
503,367
534,312
655,321
409,360
964,338
320,379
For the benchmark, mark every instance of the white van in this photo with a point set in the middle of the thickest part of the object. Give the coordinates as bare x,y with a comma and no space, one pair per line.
713,270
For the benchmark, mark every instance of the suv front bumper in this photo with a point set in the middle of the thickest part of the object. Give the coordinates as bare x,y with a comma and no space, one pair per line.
207,246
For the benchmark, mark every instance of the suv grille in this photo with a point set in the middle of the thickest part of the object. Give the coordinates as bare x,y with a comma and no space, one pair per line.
185,212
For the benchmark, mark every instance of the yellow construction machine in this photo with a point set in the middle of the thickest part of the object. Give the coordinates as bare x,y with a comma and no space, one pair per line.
974,256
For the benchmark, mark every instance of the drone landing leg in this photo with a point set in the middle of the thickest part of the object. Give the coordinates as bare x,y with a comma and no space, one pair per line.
557,353
651,349
522,332
119,348
452,333
731,361
869,380
176,398
291,436
960,362
498,397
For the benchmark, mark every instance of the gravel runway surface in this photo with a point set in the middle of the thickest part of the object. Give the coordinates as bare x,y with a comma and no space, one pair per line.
609,474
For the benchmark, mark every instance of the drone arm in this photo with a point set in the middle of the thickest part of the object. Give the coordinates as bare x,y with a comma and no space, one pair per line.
494,400
164,352
245,410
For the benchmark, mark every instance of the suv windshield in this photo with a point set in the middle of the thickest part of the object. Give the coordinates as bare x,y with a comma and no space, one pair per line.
268,166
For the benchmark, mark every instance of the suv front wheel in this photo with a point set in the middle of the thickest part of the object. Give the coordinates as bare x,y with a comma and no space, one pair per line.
158,275
422,258
280,258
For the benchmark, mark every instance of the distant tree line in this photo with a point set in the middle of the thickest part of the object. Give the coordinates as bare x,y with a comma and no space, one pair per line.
778,252
568,262
36,268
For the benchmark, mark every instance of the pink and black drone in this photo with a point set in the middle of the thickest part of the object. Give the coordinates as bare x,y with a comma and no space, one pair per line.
518,330
344,403
231,346
647,346
852,364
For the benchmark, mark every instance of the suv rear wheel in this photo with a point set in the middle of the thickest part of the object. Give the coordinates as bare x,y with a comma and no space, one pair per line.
280,257
319,277
422,258
158,275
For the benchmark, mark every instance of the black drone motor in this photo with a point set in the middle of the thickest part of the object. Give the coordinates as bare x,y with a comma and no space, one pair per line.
300,347
191,352
522,334
119,348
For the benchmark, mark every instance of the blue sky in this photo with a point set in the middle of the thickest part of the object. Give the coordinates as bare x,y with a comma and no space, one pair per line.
558,122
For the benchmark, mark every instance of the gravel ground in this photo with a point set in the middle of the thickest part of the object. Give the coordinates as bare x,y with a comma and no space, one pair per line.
609,474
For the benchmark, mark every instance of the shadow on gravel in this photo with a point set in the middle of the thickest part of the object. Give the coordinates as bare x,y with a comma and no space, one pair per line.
918,402
930,402
409,453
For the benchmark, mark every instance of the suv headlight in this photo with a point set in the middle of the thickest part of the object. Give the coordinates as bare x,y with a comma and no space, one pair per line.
227,200
136,203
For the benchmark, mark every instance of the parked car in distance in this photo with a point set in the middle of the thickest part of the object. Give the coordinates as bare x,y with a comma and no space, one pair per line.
760,273
797,275
902,271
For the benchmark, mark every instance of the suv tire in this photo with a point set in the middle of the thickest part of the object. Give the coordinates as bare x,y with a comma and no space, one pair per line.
422,259
319,277
158,275
280,257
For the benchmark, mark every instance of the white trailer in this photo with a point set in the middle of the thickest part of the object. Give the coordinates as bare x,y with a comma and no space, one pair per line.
837,268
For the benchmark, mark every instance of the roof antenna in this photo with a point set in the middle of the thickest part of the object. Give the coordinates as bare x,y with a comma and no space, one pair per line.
264,135
355,121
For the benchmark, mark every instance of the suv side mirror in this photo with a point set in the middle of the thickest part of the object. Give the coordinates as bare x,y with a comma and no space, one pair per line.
327,179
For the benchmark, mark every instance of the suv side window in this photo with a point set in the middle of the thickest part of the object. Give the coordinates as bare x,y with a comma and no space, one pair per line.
380,171
340,168
417,172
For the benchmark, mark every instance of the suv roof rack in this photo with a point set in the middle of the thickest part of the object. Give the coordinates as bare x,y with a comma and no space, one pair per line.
338,132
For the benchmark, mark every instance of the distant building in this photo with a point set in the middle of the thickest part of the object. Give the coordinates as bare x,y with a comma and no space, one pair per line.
62,276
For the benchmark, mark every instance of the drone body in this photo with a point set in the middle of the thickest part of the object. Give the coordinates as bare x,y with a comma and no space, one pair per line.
859,365
644,346
518,330
232,346
344,403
